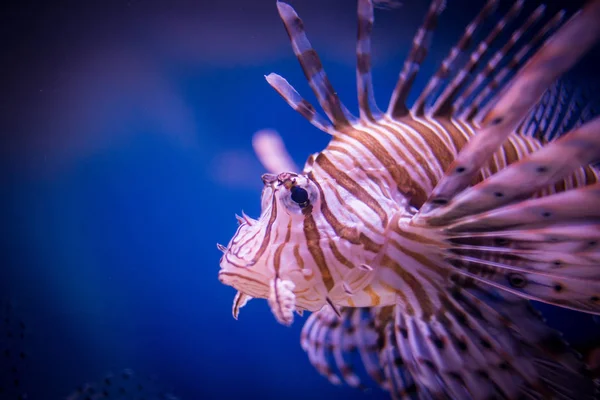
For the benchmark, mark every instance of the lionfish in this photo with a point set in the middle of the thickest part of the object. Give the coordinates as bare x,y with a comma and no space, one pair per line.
419,236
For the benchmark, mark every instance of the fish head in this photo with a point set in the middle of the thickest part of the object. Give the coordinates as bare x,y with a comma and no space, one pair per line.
268,257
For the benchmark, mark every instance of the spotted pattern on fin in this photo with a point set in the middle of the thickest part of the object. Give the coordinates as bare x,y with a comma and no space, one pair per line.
571,42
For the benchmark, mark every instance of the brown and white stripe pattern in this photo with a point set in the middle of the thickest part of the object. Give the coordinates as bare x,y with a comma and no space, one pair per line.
450,62
401,204
485,74
371,171
313,70
443,105
412,64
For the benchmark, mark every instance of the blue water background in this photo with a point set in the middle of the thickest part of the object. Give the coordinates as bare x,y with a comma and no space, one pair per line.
126,150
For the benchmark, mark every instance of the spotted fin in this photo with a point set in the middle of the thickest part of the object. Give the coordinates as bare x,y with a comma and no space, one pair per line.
484,344
558,55
563,107
546,167
400,382
545,248
480,344
332,342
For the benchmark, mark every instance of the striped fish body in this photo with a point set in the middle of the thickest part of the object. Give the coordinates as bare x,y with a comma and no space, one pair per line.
418,236
375,176
374,179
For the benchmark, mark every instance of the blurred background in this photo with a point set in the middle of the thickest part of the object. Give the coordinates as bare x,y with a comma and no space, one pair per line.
125,151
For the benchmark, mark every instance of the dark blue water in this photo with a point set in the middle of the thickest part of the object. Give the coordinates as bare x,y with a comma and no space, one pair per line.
126,150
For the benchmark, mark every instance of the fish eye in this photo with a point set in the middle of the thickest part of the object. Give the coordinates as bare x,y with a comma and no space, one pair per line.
296,192
299,196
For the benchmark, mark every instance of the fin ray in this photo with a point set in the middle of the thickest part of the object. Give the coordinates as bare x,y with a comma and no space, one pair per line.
483,102
556,56
443,105
303,107
449,63
485,344
491,67
313,69
364,82
330,341
397,107
561,236
535,172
